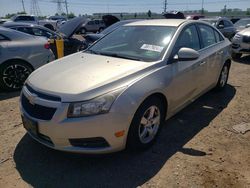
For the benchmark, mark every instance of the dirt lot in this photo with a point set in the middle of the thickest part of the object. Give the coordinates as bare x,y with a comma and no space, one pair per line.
196,148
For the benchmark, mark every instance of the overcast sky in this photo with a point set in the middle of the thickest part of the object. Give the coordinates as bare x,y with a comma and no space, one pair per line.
48,7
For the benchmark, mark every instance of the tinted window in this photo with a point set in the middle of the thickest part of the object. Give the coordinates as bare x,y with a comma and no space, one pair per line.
25,30
25,18
97,22
227,23
41,32
207,35
2,38
221,23
189,39
91,23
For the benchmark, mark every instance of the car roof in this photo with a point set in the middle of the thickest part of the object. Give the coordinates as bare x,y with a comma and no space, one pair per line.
158,22
10,24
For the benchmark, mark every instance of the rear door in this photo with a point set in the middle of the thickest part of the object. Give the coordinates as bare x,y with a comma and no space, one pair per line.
211,53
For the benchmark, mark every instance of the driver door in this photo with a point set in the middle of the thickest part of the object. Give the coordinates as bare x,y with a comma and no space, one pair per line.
187,75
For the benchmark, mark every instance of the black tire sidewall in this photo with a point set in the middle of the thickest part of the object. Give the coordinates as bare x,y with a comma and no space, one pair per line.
133,140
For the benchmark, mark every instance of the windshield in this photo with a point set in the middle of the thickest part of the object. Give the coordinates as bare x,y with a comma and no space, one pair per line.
242,23
116,25
142,43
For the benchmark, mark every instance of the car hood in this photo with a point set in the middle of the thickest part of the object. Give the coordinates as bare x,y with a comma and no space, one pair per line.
83,76
71,26
245,31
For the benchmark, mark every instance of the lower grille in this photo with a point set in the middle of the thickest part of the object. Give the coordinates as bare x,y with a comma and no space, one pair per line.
96,142
36,110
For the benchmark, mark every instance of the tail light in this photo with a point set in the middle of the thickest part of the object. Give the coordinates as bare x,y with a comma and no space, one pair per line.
47,46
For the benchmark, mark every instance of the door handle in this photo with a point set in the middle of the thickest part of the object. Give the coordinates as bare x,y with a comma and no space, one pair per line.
202,63
220,52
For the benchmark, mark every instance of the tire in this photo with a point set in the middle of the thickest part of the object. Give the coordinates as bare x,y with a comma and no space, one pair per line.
143,132
236,55
83,31
49,27
222,82
13,75
100,29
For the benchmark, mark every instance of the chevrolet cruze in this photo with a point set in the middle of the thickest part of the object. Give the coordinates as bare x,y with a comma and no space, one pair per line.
118,92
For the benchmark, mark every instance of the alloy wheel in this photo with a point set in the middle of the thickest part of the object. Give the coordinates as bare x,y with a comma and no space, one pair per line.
15,75
149,124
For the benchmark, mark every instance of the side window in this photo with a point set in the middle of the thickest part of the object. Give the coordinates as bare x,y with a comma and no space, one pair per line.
97,22
91,23
189,39
3,38
25,30
221,23
41,32
227,23
207,35
218,37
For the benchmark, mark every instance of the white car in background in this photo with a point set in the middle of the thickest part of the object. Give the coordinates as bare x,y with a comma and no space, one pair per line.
49,23
241,43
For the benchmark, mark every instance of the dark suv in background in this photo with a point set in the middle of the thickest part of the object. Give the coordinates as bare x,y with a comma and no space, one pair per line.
225,26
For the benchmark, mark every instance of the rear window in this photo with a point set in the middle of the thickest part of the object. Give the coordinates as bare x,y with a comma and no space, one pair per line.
25,18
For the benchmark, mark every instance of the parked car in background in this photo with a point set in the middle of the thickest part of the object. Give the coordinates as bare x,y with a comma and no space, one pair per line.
70,43
119,92
29,28
20,54
242,24
51,24
225,26
92,26
241,43
91,38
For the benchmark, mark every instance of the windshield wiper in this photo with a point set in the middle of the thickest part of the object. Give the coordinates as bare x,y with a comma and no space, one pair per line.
120,56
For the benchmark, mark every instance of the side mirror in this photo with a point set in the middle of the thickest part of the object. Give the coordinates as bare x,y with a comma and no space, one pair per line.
186,54
248,25
220,26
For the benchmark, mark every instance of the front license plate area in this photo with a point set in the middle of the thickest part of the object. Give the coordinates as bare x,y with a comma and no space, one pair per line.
30,125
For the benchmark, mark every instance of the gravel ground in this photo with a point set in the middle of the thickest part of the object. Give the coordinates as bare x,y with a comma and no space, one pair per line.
196,148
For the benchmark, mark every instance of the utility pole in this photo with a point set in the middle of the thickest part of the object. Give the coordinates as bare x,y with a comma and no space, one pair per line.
23,6
202,7
165,6
66,5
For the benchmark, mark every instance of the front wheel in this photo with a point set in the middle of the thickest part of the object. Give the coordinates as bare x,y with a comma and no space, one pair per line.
13,74
222,82
146,124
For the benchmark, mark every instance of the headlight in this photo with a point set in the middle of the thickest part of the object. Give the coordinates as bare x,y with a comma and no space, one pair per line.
95,106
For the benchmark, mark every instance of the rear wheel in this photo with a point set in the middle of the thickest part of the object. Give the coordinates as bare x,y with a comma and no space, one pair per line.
146,124
222,82
13,74
101,29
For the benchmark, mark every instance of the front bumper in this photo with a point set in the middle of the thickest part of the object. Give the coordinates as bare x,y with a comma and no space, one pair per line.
59,132
238,46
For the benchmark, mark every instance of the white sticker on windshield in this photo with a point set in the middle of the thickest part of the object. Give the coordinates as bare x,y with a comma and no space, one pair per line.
151,47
